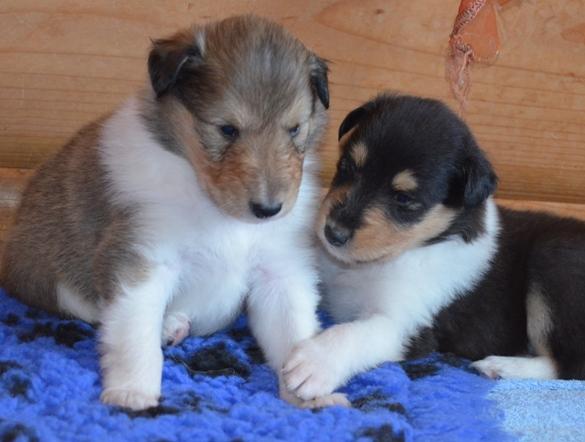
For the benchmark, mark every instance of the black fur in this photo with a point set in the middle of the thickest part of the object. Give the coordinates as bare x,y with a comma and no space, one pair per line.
320,82
534,249
449,166
351,120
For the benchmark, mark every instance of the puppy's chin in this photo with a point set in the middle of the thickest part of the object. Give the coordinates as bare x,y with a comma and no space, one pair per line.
347,256
382,239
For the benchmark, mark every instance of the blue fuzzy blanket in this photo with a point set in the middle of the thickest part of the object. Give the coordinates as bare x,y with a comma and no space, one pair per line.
219,388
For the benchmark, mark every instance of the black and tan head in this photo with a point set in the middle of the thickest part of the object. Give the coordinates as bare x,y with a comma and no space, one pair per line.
410,174
243,101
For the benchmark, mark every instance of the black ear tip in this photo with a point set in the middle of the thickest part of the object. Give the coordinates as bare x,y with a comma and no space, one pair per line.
319,79
341,132
351,120
321,87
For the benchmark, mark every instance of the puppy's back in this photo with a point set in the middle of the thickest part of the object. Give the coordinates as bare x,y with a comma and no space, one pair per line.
55,229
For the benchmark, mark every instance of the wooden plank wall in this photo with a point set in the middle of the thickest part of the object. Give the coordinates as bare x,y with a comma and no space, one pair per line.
63,63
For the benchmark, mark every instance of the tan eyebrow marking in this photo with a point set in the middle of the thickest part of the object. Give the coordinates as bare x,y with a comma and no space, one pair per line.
405,181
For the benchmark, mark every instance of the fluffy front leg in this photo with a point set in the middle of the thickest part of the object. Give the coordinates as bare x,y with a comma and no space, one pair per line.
282,312
317,366
131,341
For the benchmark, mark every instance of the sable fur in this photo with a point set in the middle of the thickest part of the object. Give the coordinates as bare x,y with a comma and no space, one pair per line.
66,203
146,222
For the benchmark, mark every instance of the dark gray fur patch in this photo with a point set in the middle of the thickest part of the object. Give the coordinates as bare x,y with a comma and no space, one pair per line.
67,231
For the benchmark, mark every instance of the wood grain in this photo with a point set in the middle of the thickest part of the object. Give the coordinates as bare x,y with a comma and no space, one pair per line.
65,62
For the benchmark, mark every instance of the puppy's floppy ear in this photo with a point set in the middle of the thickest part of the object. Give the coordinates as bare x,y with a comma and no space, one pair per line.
479,178
351,120
319,80
169,57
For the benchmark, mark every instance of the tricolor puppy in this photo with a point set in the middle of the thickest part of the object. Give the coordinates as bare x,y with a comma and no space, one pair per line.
421,259
195,197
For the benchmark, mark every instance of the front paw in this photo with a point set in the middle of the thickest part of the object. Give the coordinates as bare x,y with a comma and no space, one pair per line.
132,399
309,373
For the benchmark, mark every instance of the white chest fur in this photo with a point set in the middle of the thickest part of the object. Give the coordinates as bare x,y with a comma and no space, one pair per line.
214,255
202,264
411,289
381,306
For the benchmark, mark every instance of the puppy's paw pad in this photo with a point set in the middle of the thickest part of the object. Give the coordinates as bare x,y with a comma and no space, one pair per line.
131,399
177,327
308,373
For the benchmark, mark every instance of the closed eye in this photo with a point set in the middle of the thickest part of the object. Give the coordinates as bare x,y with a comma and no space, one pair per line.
294,131
406,201
403,198
229,132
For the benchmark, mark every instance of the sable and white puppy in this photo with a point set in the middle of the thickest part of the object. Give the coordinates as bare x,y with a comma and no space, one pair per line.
420,258
195,197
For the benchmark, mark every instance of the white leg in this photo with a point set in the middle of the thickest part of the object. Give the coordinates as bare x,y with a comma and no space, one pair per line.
508,367
319,365
130,341
282,311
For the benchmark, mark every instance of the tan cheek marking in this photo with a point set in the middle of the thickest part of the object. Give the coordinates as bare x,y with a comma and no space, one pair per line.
359,153
381,238
405,181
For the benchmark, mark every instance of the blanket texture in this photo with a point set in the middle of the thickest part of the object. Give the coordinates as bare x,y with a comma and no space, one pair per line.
542,410
219,389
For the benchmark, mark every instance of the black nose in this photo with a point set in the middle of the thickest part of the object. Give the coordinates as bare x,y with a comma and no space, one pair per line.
264,211
337,236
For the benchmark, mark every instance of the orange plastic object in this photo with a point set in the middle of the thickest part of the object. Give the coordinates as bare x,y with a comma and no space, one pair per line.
474,38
